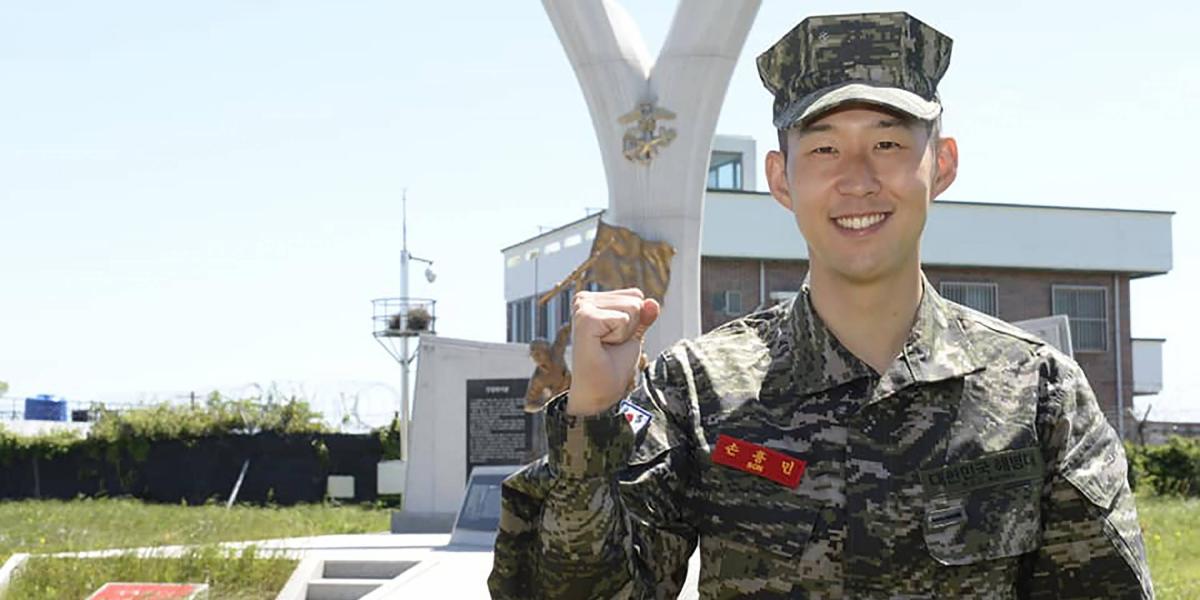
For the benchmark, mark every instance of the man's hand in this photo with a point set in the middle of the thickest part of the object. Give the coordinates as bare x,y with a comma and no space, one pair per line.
606,338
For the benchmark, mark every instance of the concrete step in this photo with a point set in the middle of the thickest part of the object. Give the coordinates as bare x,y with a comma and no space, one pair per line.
341,589
365,569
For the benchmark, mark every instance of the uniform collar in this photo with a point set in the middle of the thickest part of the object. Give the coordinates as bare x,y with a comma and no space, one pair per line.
819,360
937,349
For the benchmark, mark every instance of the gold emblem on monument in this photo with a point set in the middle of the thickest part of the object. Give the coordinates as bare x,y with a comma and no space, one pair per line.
646,137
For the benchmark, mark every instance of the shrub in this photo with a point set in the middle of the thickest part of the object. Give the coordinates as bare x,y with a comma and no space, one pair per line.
389,438
133,430
47,445
1169,469
418,319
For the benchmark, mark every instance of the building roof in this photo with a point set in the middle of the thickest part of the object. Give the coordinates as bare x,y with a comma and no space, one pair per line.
967,234
553,232
975,203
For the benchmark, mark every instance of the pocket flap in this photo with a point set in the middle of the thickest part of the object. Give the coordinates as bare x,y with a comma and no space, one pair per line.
1099,476
985,523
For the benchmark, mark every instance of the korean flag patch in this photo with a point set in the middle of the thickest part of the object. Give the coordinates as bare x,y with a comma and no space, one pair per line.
637,417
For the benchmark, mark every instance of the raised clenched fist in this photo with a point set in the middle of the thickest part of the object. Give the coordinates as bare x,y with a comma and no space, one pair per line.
606,346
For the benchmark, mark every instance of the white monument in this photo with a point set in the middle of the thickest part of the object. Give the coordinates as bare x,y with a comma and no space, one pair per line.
654,120
436,473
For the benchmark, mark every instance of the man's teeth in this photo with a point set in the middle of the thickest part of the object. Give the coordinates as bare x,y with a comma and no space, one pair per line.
862,222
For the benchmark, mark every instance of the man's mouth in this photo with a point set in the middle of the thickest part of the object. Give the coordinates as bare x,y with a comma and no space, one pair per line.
861,222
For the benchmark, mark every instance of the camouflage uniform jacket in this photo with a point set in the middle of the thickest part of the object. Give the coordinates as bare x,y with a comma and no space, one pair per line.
979,465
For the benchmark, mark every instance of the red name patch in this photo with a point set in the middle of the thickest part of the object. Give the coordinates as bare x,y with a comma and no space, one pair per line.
759,460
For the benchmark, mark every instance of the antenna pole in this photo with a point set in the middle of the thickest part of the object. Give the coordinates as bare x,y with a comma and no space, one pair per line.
404,303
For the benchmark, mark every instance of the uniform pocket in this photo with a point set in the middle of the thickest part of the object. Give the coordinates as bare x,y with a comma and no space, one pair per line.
984,509
739,570
753,533
755,512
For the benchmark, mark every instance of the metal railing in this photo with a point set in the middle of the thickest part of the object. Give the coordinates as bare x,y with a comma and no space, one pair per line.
12,408
399,317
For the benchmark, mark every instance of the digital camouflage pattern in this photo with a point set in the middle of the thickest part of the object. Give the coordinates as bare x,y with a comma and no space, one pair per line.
977,466
878,50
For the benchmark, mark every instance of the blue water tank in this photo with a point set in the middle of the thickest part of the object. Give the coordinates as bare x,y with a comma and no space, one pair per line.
45,408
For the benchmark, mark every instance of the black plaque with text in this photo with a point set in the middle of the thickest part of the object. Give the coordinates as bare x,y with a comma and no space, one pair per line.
498,428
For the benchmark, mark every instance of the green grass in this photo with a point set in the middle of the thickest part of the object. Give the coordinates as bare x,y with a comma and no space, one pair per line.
242,575
1171,528
46,526
43,526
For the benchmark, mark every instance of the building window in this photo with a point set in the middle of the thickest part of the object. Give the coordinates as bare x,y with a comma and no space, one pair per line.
979,296
1086,307
781,297
564,307
551,308
509,325
524,316
725,171
728,302
543,319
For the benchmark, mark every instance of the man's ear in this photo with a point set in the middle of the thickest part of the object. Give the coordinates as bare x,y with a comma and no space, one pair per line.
946,156
777,178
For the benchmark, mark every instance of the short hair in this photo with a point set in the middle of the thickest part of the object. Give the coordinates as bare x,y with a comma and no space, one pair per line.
933,128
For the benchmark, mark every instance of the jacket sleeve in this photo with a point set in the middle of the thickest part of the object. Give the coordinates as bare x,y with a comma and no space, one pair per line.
1091,541
603,514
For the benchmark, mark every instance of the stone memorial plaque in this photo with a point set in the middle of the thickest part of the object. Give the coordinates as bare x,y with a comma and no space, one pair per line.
498,428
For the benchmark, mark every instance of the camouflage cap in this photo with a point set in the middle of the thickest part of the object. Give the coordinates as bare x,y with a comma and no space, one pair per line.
890,59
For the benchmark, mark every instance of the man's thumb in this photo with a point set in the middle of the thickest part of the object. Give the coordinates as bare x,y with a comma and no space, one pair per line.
648,314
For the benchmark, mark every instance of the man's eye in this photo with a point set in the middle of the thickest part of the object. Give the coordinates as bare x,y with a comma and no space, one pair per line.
823,150
887,145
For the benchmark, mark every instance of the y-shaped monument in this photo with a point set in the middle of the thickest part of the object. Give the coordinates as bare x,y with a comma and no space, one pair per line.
655,122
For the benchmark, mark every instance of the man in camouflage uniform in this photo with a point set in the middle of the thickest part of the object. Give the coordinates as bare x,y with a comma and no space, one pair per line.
867,439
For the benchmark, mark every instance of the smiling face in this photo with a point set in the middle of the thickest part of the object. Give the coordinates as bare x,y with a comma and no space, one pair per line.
859,180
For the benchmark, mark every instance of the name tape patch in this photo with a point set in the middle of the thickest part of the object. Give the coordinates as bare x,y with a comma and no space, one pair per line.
992,469
758,460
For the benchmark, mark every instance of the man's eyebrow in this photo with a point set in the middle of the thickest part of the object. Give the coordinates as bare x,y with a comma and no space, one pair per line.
804,130
885,123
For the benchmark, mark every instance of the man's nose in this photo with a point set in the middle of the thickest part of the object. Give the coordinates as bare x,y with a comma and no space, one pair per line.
858,177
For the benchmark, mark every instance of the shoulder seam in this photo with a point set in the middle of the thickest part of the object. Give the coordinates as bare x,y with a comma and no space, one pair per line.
1007,329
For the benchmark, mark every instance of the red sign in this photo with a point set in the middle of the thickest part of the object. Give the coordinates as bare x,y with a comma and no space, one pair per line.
148,591
758,460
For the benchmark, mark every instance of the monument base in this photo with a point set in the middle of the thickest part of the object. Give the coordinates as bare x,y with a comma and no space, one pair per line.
410,522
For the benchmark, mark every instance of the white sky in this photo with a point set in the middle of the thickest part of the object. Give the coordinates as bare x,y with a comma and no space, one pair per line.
196,195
